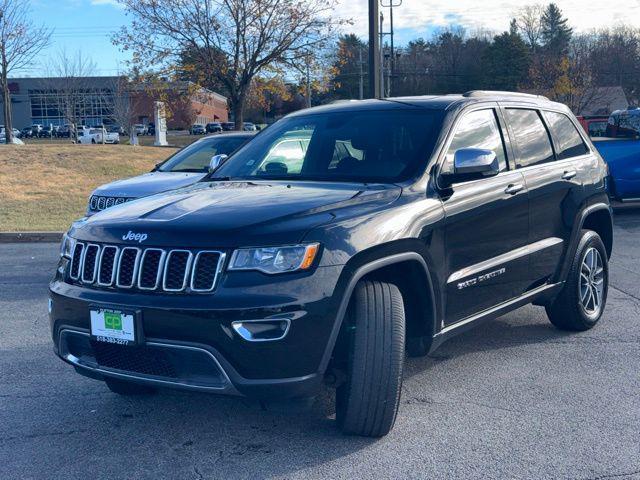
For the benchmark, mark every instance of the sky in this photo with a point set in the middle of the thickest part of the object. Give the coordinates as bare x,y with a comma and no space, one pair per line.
87,24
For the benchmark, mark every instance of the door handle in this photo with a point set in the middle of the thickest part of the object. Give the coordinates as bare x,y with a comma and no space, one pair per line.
569,174
514,188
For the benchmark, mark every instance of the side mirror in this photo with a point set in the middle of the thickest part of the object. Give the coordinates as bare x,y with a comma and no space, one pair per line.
472,164
216,161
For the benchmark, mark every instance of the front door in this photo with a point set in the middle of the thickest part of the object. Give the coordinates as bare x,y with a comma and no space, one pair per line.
486,224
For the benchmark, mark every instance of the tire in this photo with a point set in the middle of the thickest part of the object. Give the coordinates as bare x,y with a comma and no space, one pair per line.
367,402
580,304
128,388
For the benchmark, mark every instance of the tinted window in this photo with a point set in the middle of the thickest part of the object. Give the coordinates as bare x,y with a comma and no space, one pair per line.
197,156
477,129
568,141
598,129
360,146
531,137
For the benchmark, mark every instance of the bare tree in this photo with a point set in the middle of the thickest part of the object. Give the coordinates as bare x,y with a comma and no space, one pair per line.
529,21
126,103
20,42
231,40
69,83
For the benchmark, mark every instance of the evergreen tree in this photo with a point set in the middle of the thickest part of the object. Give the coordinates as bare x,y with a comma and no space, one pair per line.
556,33
506,61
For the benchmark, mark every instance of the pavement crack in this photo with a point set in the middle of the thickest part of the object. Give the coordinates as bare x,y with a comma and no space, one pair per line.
197,472
625,292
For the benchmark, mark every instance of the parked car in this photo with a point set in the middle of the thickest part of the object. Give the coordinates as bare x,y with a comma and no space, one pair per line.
213,127
16,133
151,129
228,126
36,130
269,281
249,127
26,132
94,136
197,129
186,167
620,148
140,129
48,131
595,126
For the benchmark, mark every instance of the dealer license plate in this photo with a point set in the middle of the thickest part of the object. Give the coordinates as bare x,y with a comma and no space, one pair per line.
113,326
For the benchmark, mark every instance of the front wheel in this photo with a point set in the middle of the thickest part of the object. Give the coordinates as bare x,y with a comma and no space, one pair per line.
367,403
581,302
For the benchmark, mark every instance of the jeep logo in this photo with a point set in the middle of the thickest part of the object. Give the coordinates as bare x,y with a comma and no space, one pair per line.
138,237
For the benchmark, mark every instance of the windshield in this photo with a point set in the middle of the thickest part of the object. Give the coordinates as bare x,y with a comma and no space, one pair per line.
197,156
366,146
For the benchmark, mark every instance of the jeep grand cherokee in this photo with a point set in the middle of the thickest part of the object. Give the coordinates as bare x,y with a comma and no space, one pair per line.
327,263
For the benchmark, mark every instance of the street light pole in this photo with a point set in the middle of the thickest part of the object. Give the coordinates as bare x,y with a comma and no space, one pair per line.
374,51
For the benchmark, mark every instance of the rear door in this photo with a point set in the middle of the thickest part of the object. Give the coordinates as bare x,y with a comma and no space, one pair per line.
486,224
549,150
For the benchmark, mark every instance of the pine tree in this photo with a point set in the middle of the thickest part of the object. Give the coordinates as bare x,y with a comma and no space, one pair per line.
506,61
556,33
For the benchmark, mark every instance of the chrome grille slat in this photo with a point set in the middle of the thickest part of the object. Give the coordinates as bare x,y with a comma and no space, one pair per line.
125,262
197,274
98,203
153,266
76,262
168,270
146,269
108,259
90,263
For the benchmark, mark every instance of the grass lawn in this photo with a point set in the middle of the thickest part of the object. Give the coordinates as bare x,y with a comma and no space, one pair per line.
44,187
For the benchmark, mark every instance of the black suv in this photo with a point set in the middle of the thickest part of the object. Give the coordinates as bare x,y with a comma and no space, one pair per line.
326,247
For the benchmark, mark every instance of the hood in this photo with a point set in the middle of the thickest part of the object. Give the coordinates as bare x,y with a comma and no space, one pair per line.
148,184
231,214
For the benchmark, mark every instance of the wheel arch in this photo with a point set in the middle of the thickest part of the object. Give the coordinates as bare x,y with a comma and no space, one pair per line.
413,268
596,217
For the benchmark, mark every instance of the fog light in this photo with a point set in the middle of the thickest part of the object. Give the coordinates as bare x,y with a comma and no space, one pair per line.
262,330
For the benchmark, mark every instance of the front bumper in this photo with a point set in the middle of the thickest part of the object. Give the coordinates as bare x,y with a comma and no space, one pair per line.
194,338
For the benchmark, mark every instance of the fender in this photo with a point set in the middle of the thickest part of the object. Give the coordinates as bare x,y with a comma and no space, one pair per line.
359,273
573,244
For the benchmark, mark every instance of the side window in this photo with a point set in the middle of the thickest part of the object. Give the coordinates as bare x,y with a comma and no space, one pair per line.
531,137
477,129
569,143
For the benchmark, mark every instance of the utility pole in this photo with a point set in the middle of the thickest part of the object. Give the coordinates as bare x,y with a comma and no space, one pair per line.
308,83
392,57
361,74
374,51
382,91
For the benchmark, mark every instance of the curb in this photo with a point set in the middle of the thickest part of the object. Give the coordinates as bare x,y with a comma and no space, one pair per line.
24,237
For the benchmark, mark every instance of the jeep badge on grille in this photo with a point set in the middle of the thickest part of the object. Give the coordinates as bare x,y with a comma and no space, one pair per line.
138,237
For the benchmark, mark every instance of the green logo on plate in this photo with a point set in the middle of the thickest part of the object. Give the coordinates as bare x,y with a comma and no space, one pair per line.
113,320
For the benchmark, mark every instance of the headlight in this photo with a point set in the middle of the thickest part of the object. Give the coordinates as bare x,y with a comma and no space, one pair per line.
66,247
275,259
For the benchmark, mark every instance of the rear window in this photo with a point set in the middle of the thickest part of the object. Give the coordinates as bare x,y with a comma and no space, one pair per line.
532,139
568,141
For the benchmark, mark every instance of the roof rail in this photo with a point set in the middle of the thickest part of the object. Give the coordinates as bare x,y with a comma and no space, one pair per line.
496,93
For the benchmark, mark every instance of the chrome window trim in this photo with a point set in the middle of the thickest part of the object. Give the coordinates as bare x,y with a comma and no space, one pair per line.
136,263
95,265
77,277
219,266
114,269
187,270
163,254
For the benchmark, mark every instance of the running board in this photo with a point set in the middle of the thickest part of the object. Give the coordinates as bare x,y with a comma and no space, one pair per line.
497,311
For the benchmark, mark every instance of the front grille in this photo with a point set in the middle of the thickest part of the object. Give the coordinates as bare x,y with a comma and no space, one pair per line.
98,203
134,359
148,269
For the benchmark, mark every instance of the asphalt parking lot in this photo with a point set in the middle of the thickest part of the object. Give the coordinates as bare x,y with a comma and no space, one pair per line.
514,398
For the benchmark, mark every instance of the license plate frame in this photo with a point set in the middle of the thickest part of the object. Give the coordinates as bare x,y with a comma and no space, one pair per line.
125,323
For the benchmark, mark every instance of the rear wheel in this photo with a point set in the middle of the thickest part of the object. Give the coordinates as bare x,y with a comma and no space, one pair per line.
367,402
581,302
128,388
